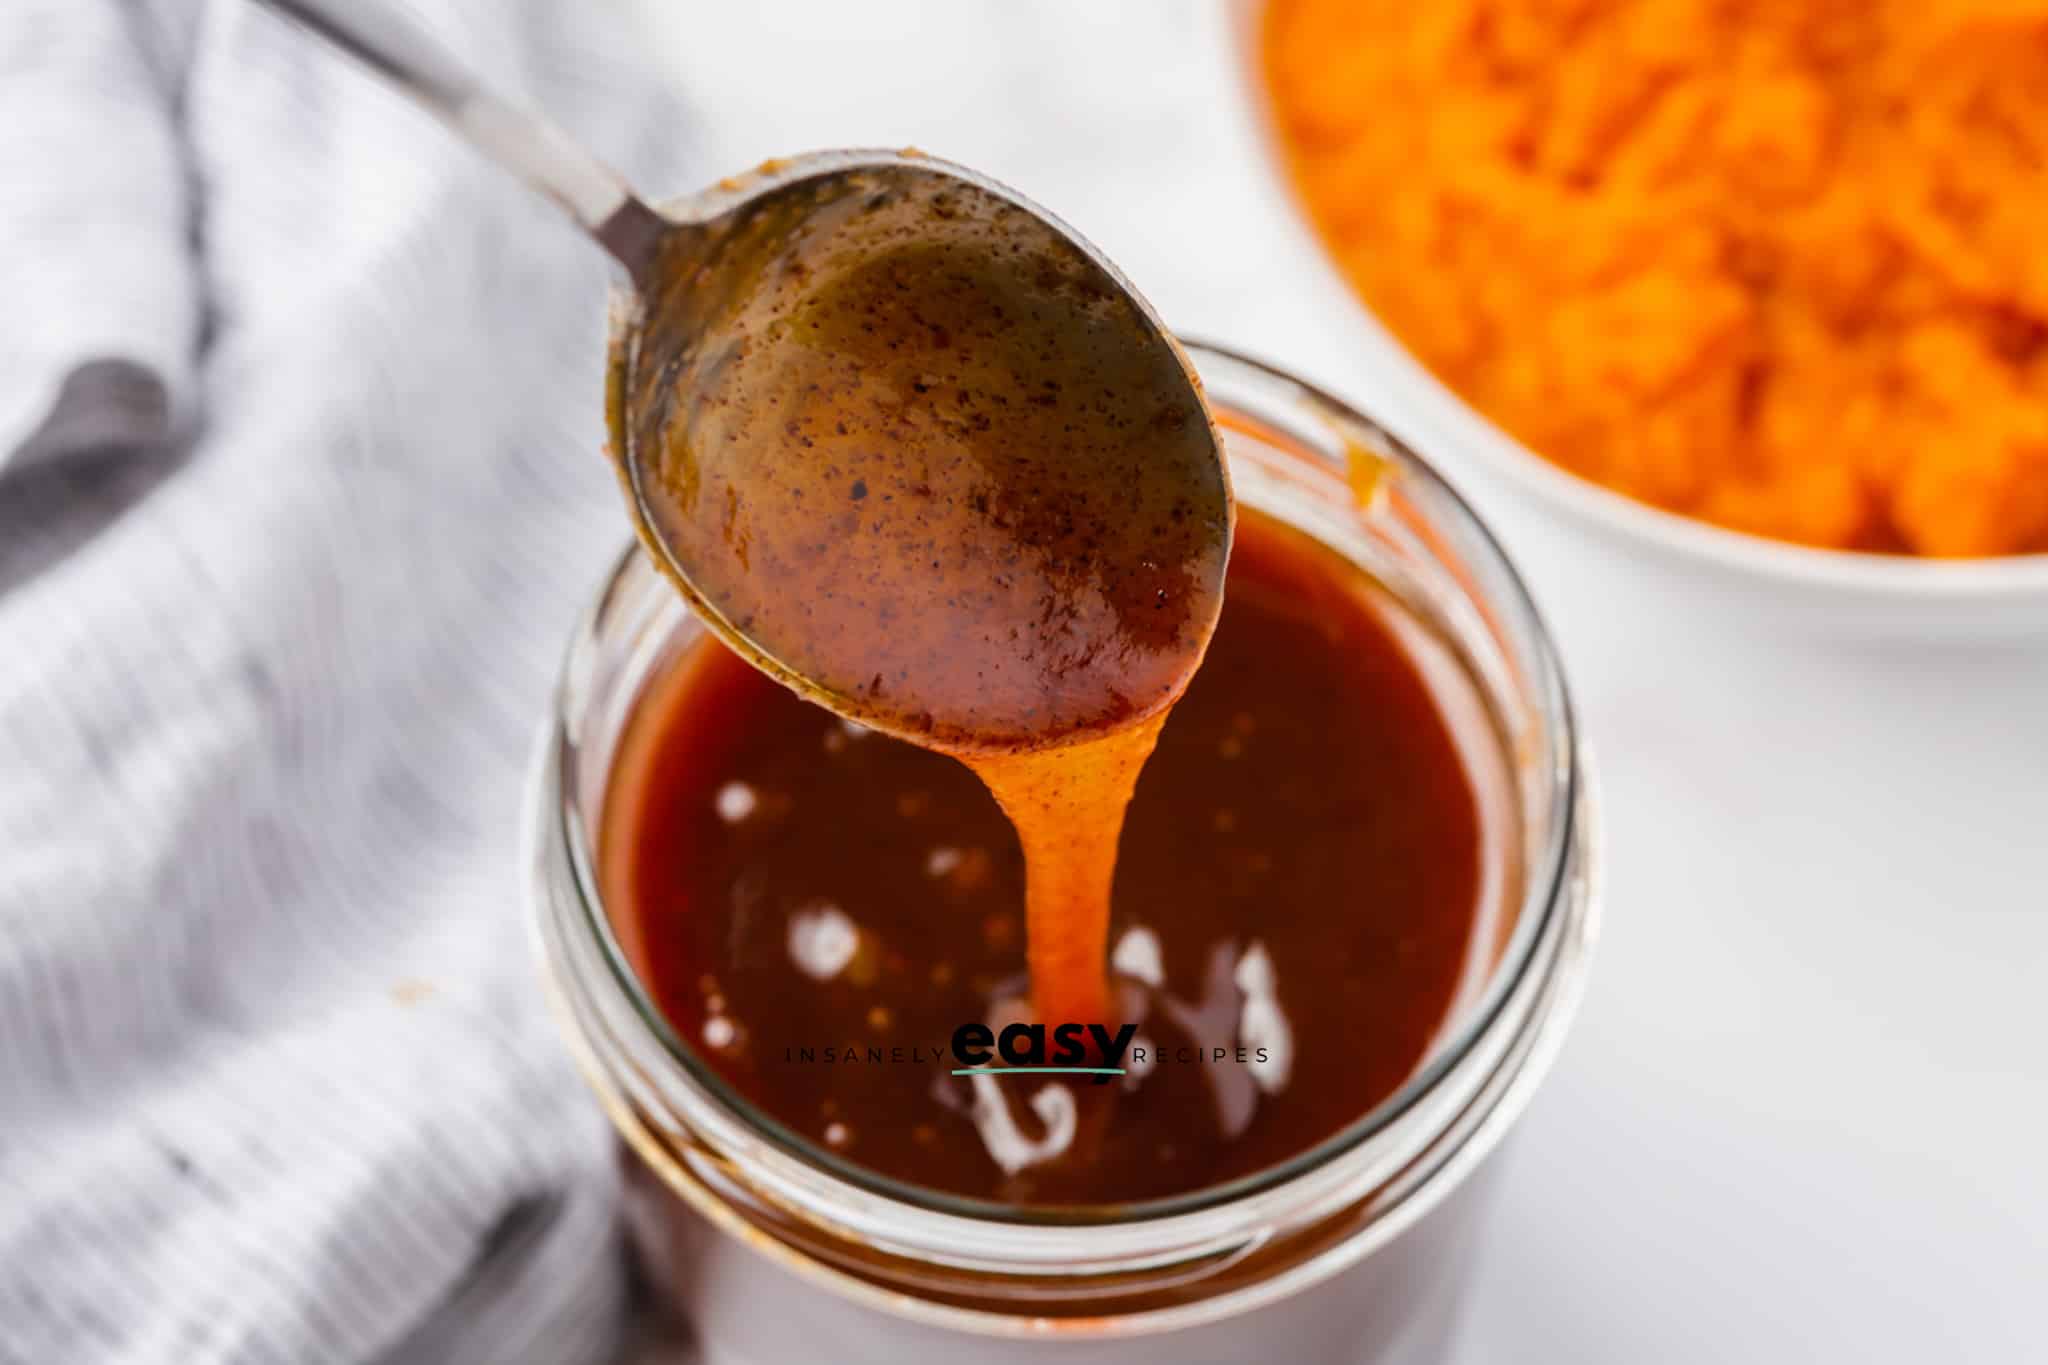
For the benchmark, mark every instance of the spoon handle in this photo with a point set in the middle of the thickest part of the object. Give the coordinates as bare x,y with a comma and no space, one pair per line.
525,144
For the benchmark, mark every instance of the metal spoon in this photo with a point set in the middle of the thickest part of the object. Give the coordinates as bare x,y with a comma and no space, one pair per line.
902,438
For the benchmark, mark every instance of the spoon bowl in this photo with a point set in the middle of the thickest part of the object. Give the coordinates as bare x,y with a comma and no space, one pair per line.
911,445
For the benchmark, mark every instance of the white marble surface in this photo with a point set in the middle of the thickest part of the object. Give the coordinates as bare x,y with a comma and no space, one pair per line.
1804,1114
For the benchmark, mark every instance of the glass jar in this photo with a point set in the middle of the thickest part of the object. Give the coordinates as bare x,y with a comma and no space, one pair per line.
774,1249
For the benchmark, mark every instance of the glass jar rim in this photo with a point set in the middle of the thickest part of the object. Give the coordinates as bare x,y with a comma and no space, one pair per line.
1222,370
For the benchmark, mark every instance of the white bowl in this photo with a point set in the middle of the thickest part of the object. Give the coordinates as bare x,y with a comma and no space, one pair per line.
1832,591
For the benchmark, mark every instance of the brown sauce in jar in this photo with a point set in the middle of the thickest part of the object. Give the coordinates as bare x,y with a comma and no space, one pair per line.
1300,891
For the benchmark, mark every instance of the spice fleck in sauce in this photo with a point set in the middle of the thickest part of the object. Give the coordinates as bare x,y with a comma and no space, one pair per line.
938,466
1300,877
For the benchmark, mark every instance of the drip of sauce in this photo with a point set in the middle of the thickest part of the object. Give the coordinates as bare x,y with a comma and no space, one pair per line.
1307,868
941,476
1067,805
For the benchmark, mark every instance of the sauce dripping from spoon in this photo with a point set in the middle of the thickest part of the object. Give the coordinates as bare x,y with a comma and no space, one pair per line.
911,446
924,457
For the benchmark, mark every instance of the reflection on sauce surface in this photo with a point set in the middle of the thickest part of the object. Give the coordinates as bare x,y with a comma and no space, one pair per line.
1301,871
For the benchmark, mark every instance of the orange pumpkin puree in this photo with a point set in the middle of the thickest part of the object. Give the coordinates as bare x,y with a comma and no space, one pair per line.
1778,264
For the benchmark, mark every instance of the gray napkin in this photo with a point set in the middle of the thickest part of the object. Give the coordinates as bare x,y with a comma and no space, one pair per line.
299,493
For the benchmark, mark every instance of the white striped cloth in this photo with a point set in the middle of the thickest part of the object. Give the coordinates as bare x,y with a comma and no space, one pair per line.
299,494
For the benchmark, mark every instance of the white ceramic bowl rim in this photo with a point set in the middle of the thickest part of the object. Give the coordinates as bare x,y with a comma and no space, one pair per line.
1465,428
